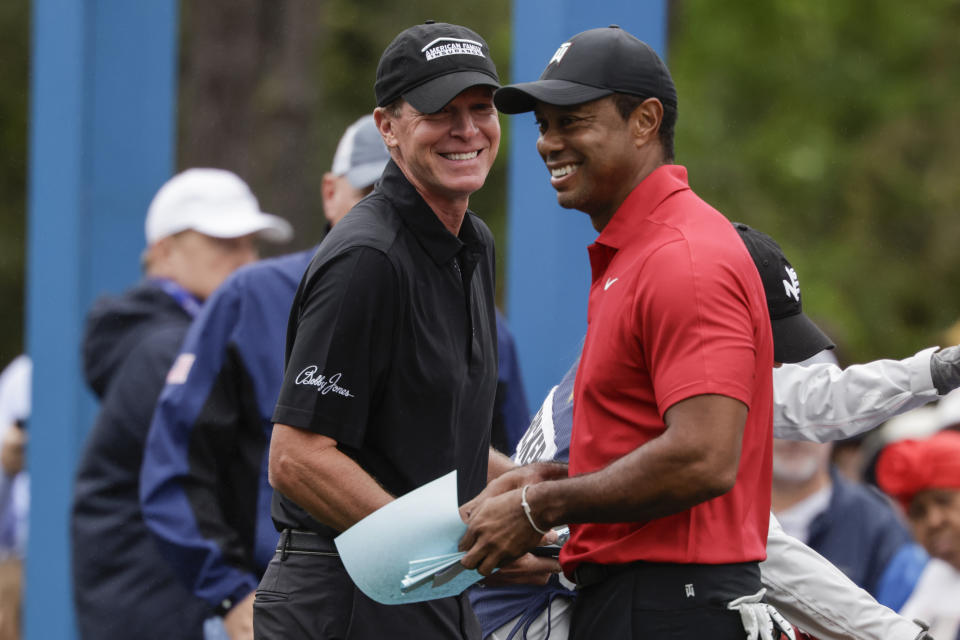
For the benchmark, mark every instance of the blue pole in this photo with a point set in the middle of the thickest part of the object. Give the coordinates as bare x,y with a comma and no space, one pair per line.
102,124
548,269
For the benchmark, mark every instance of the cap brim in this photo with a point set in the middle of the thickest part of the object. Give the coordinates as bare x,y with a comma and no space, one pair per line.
523,97
265,225
796,338
433,95
364,175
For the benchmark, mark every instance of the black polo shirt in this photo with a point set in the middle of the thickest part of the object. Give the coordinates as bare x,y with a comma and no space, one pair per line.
391,346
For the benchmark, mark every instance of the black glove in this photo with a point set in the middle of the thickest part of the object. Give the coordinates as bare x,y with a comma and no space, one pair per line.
945,369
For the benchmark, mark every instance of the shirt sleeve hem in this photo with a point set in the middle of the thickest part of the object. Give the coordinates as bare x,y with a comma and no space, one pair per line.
310,421
921,379
703,388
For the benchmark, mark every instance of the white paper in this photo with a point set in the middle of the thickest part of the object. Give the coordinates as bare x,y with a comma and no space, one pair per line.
424,524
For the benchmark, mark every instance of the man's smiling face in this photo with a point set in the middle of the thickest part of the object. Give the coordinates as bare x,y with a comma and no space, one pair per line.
590,154
448,154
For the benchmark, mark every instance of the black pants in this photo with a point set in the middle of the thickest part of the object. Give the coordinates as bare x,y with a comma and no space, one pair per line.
646,601
305,595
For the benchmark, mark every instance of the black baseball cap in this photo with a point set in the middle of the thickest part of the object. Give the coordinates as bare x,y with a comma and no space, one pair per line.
429,64
795,336
591,65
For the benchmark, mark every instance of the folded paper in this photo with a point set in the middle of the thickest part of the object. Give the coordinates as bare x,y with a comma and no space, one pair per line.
400,552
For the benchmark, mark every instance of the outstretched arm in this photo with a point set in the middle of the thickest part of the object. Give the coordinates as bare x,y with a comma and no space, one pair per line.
823,402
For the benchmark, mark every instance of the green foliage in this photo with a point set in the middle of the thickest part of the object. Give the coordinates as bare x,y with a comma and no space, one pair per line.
832,127
14,47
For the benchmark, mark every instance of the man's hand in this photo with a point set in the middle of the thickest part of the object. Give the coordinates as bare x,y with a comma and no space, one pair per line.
12,450
527,569
515,478
497,531
239,620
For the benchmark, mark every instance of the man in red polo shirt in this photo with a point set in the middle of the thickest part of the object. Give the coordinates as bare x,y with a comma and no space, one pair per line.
668,484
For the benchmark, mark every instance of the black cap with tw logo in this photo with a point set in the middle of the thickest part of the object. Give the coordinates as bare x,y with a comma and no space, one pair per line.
428,65
591,65
795,336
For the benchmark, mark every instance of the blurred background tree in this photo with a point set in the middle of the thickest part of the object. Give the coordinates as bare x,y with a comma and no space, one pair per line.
832,126
829,125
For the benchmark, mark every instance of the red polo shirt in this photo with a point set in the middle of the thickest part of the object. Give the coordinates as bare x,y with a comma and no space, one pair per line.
677,309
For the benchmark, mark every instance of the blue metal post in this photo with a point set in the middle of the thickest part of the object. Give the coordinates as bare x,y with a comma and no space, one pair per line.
548,269
103,76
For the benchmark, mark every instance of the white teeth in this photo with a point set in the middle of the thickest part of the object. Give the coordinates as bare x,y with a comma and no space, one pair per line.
461,156
559,172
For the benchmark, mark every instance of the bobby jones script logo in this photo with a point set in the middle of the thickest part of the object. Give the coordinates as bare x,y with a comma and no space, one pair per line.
323,384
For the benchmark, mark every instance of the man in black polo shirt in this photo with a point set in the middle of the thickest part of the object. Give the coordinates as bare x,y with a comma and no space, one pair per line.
391,363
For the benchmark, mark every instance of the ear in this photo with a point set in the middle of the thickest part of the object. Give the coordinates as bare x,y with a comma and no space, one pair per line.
156,257
163,247
328,187
385,123
645,122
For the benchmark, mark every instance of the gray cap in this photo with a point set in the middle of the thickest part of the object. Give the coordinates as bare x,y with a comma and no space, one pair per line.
361,154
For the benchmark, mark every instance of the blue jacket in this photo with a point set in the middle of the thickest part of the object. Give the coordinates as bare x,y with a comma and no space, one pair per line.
204,488
122,587
863,536
511,414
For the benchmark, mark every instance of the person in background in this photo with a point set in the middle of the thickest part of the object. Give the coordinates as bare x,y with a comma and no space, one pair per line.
200,227
852,525
924,477
14,490
14,479
204,488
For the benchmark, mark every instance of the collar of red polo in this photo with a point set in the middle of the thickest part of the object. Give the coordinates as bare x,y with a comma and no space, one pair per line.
662,182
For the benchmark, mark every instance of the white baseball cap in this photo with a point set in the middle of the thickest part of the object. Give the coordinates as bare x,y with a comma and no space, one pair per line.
361,154
213,202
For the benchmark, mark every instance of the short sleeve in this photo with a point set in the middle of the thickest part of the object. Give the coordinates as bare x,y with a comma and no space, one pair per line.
346,316
696,326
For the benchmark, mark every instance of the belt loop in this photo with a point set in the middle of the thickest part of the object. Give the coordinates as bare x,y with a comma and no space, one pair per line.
286,545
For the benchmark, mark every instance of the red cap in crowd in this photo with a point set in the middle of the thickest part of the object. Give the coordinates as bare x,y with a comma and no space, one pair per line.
907,467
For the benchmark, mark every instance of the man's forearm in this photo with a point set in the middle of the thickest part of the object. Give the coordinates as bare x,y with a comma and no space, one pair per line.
643,485
316,475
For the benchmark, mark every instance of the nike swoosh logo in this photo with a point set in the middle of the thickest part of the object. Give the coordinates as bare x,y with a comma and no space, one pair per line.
610,281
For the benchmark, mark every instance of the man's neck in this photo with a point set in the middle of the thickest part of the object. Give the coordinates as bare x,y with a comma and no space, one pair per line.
600,219
450,212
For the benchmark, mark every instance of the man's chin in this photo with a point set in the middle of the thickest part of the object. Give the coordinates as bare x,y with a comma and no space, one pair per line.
567,200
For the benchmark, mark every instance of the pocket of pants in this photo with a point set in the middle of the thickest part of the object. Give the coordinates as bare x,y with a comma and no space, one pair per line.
264,597
270,587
